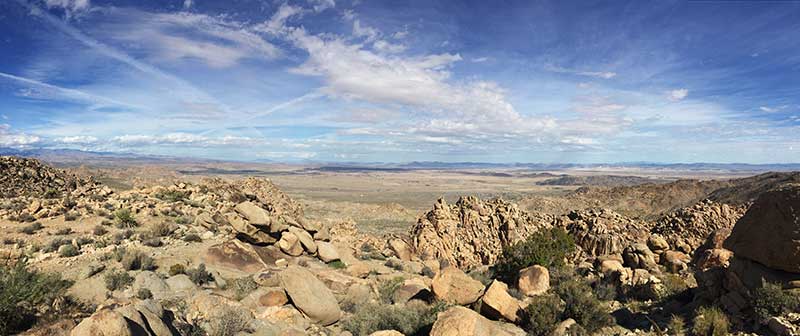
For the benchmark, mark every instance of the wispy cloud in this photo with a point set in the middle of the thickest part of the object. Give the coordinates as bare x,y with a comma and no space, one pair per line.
596,74
678,94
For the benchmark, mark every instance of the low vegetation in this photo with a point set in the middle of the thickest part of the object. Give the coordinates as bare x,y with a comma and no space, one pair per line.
572,298
199,275
413,318
230,322
710,321
123,219
546,248
771,300
21,291
116,280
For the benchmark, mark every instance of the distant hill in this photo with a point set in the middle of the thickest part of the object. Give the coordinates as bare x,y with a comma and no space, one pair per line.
598,180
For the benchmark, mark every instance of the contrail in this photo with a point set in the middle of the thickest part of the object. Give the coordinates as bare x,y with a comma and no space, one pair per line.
281,106
120,56
70,93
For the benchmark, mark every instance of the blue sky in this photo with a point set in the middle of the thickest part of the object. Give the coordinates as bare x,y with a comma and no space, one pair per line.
391,81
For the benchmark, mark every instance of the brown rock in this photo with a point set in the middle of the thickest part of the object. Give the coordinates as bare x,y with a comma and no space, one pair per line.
247,231
253,213
411,289
310,295
533,280
234,255
400,249
453,286
290,244
305,239
769,232
461,321
105,322
327,252
497,303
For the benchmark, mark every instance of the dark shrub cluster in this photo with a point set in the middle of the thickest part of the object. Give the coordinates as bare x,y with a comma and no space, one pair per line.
20,285
546,248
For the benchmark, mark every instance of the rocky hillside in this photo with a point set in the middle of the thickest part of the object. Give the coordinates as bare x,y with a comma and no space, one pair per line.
29,177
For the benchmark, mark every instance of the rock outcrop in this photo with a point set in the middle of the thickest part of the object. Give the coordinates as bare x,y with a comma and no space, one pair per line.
769,233
688,228
473,232
603,232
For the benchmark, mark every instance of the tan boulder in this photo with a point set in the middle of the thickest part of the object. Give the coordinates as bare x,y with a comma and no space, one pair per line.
497,303
327,252
233,256
253,213
414,288
310,295
461,321
533,280
248,231
305,239
769,232
711,258
675,261
105,322
400,249
454,286
264,297
609,266
290,244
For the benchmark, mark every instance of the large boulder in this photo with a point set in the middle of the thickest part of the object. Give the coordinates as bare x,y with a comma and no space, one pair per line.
533,280
106,322
497,303
461,321
248,231
310,295
233,256
472,232
453,286
327,252
290,244
253,213
769,233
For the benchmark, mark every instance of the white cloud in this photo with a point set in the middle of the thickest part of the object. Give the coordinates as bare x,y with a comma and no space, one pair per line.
678,94
596,74
480,59
188,4
400,35
9,138
78,139
365,31
70,7
774,109
321,5
389,48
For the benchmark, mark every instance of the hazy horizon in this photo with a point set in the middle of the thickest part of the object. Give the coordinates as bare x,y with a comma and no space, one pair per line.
357,81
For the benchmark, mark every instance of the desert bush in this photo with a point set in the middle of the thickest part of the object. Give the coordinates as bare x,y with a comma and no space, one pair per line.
21,291
177,269
51,193
81,241
199,275
54,244
337,264
71,216
68,250
172,195
123,219
152,242
63,231
144,294
32,228
161,229
243,286
99,230
117,280
542,315
546,248
230,322
710,321
483,275
387,288
192,238
676,326
771,300
135,260
581,305
183,220
604,290
413,318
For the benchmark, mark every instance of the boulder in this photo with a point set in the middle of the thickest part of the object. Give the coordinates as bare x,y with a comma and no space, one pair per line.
253,213
290,244
639,256
413,288
769,233
310,295
234,256
657,243
152,282
327,252
106,322
305,239
533,280
675,261
454,286
497,303
400,249
461,321
247,231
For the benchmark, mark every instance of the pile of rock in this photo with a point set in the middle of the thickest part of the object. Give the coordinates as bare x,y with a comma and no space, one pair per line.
473,232
602,232
29,177
688,228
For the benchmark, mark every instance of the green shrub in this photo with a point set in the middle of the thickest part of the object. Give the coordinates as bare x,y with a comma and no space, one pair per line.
161,229
771,300
66,251
387,288
581,304
144,294
21,291
99,230
199,275
546,248
63,231
192,238
177,269
172,195
230,322
676,326
54,244
123,219
117,280
413,318
51,193
337,264
71,216
542,315
710,321
137,260
32,228
243,286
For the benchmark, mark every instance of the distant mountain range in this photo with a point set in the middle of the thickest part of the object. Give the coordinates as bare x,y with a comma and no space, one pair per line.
77,157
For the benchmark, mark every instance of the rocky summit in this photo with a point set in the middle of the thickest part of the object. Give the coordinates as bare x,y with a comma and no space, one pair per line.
239,256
